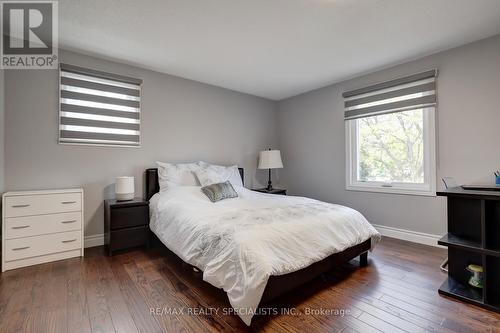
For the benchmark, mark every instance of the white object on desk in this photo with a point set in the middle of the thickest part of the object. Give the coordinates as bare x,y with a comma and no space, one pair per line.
124,188
41,226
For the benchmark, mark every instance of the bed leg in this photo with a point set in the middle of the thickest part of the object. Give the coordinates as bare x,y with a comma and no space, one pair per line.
363,259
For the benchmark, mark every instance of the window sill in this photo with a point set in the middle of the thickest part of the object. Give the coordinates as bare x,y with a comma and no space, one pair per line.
391,190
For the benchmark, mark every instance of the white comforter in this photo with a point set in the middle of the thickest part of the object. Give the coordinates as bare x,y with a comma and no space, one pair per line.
239,243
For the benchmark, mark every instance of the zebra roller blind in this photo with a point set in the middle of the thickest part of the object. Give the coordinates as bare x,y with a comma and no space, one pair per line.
408,93
99,108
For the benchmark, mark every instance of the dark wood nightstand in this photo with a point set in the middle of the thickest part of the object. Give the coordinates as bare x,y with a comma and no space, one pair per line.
126,224
273,191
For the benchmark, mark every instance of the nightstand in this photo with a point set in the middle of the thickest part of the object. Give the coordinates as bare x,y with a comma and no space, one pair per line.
273,191
126,224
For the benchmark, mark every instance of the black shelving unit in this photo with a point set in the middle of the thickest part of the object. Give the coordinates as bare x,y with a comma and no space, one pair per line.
473,238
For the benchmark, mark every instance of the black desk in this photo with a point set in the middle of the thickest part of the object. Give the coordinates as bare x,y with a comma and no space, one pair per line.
473,238
126,224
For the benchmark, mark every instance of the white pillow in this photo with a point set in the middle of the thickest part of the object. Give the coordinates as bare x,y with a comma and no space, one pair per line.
209,174
181,174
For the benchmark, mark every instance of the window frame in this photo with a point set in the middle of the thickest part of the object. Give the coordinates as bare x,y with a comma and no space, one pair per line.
428,188
97,75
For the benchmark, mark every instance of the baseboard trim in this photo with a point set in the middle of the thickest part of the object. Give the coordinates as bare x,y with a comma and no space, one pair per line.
94,240
409,235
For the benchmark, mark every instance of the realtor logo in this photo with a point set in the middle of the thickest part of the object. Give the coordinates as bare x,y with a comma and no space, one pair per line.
29,35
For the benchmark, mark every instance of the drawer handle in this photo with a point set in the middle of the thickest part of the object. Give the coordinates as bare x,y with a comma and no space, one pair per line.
69,241
21,227
71,221
20,206
21,248
68,202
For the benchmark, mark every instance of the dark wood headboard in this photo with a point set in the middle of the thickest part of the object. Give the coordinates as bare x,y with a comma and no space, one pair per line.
152,185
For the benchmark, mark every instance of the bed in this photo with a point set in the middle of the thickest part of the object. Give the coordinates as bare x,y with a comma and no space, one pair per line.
257,246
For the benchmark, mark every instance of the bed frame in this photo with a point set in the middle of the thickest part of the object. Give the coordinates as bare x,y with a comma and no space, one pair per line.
281,284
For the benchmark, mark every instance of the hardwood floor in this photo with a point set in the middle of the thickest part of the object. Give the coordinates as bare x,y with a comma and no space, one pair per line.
396,292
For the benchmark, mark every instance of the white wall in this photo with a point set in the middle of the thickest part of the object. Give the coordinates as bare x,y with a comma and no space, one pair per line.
2,130
185,120
311,136
182,120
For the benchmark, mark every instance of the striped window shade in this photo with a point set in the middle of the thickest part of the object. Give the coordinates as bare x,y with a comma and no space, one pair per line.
99,108
408,93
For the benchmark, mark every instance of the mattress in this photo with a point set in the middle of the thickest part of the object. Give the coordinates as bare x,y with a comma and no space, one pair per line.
239,243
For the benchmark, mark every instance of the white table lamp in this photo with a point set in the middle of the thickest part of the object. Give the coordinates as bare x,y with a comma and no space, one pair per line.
270,159
124,188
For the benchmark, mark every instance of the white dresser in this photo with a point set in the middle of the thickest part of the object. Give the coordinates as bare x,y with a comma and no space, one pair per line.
41,226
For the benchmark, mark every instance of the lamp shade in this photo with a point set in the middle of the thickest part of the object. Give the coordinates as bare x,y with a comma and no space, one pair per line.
124,188
270,159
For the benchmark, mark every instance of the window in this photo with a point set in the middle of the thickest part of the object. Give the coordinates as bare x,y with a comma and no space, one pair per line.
390,136
98,108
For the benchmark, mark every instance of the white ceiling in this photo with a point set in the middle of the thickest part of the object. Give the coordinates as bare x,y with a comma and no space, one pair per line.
271,48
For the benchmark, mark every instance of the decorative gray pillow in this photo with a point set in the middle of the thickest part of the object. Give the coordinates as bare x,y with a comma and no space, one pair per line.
219,191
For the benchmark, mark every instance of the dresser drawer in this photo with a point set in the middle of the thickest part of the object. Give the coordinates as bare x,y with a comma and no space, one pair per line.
25,205
21,248
128,238
125,217
16,227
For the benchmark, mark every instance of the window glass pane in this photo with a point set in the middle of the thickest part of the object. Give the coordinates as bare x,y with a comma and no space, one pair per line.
391,147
